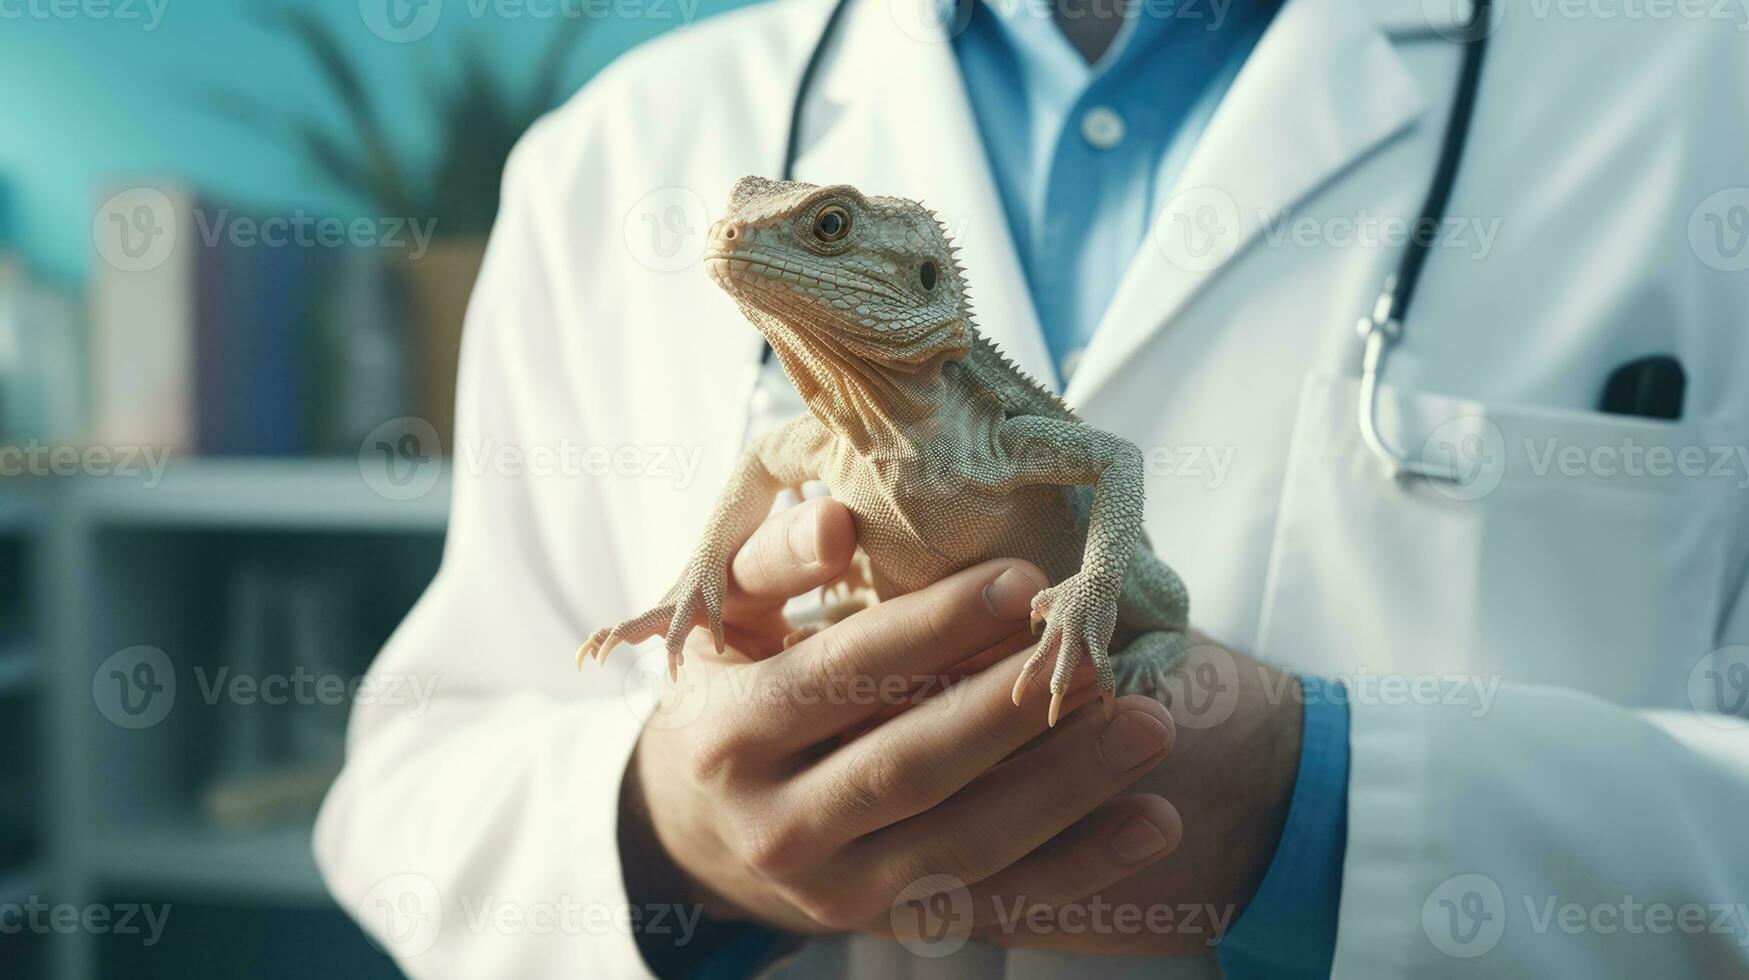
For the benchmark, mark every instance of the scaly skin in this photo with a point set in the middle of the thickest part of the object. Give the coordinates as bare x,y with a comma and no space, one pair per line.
946,453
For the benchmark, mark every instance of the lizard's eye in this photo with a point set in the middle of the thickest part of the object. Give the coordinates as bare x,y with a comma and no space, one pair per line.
832,223
926,275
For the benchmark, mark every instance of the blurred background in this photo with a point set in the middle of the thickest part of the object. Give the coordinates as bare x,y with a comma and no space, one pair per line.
236,242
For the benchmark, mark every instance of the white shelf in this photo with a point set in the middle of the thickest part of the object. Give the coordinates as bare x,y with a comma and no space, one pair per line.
272,864
269,494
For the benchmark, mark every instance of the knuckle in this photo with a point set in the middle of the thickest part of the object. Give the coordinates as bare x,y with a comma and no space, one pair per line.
776,851
716,752
961,854
881,783
835,659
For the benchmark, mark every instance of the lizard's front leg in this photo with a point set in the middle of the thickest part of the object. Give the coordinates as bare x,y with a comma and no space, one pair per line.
1080,612
786,456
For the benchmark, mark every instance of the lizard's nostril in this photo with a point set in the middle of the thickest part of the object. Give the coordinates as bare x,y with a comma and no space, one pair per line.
724,236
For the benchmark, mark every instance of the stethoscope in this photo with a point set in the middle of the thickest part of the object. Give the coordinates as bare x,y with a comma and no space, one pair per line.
1382,329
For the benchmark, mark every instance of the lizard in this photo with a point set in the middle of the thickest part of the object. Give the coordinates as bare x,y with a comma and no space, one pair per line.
945,452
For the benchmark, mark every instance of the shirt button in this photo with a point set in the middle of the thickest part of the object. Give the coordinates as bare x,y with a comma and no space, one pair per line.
1102,127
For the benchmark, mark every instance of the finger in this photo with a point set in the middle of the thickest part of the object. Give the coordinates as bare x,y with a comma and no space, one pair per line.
920,758
840,677
1112,843
931,686
1014,809
798,549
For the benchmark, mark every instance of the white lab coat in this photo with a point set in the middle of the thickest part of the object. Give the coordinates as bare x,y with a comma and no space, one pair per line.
463,835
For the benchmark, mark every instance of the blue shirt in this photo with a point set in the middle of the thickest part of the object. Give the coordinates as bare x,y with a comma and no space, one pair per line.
1083,155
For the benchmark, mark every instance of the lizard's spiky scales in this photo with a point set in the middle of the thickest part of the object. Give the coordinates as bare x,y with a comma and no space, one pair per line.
944,450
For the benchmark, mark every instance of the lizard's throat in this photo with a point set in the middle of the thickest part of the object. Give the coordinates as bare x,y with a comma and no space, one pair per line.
866,402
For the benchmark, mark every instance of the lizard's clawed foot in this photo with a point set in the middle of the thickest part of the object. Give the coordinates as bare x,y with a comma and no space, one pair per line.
1079,616
696,601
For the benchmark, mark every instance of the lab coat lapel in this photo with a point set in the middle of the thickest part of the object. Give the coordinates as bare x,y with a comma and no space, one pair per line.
890,115
1322,89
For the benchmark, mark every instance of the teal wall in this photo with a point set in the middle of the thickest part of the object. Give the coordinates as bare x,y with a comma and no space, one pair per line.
91,98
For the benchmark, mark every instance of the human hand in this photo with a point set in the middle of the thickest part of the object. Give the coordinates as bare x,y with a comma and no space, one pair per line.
818,784
1231,776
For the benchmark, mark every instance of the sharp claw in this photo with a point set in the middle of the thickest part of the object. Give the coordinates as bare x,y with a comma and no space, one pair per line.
582,654
1109,702
1056,708
1036,620
674,660
1020,684
601,652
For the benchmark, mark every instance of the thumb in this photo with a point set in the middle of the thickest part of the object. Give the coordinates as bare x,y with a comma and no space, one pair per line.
798,549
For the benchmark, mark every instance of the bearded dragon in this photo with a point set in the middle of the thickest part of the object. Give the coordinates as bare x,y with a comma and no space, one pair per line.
945,452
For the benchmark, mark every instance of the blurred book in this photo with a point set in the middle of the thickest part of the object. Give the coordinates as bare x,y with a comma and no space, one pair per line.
228,343
278,754
42,360
361,361
142,294
254,304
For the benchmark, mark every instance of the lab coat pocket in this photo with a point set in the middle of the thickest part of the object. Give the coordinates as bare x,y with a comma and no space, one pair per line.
1582,550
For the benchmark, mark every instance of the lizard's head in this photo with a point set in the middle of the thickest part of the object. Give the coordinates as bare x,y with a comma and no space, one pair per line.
844,277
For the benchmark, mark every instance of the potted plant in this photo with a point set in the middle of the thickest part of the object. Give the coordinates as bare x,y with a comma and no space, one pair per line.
455,189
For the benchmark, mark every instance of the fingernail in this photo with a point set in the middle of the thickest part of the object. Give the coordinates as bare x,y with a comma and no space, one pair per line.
1132,738
804,535
1009,595
1137,839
